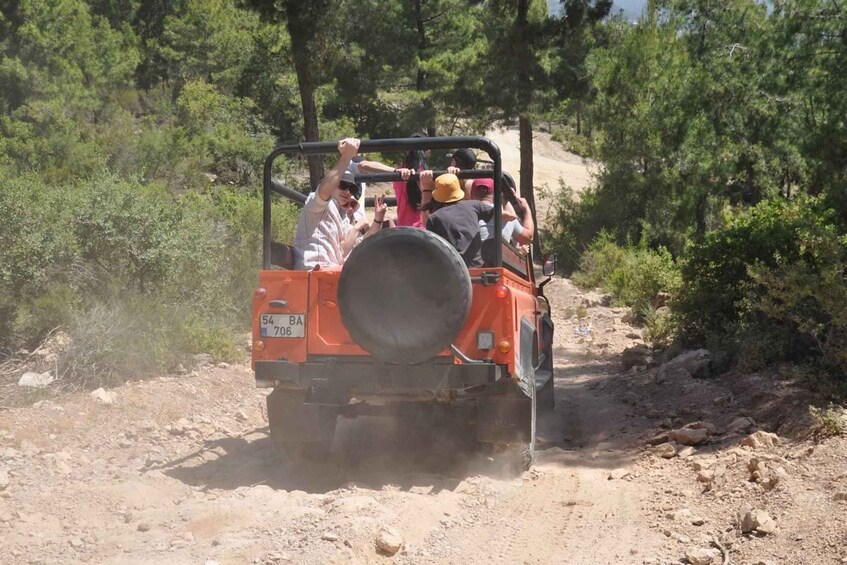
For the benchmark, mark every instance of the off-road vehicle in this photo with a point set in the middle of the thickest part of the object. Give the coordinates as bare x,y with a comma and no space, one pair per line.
404,326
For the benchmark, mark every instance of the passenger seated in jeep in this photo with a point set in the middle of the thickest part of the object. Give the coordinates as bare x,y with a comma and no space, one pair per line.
455,219
514,231
324,237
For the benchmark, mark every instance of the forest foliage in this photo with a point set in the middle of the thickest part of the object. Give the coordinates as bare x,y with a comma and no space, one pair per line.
132,136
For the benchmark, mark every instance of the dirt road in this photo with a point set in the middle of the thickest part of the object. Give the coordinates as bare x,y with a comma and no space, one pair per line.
180,469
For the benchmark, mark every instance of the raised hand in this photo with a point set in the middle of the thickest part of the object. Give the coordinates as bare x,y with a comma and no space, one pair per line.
379,208
348,147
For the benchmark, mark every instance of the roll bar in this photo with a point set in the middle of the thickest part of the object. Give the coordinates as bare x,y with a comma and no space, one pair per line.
383,145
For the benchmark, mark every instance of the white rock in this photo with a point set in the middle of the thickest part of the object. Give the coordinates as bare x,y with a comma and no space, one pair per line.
740,425
618,474
687,436
700,556
389,540
686,452
103,396
761,440
665,451
682,513
4,479
35,380
757,521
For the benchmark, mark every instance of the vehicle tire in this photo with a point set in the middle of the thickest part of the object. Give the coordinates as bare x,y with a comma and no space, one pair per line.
404,295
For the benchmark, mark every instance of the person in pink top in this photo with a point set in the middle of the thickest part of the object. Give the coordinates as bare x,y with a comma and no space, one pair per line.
408,193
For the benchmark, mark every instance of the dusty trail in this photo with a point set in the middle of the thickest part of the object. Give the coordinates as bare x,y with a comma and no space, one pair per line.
181,470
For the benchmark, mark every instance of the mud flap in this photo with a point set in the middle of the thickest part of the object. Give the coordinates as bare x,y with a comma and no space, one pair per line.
510,417
293,421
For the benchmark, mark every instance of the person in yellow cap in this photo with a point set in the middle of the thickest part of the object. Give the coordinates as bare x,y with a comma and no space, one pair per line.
454,218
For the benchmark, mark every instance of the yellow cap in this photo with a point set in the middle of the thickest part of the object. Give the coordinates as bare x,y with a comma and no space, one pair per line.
447,189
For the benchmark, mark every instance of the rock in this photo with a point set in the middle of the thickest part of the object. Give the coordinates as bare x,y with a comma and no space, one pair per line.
76,543
660,438
4,479
241,416
686,452
761,440
630,398
35,380
723,400
757,521
180,369
636,355
697,363
839,496
103,396
665,451
741,425
202,360
618,474
329,536
144,527
666,373
10,453
701,556
680,514
389,540
687,436
633,335
697,521
706,476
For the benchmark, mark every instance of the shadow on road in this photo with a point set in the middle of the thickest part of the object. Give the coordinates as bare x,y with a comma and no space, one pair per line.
368,452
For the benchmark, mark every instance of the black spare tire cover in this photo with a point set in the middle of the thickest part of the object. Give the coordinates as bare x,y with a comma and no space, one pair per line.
404,295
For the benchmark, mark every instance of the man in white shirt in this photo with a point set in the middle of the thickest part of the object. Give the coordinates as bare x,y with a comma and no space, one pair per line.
324,237
514,231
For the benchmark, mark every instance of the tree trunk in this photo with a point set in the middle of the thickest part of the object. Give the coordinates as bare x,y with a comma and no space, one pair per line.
299,28
420,83
527,189
525,95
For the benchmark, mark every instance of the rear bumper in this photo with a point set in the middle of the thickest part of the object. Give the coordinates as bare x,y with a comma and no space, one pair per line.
335,381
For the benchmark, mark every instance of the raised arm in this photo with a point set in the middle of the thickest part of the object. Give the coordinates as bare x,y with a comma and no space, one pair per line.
427,183
377,167
347,148
528,232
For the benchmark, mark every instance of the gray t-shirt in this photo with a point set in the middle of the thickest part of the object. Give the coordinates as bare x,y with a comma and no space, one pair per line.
459,224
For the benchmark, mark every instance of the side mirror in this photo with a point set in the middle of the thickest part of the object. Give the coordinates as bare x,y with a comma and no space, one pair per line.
549,268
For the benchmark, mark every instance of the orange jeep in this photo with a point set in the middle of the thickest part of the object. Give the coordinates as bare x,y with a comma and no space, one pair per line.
404,326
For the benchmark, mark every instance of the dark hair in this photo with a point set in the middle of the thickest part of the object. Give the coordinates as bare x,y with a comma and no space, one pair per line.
415,160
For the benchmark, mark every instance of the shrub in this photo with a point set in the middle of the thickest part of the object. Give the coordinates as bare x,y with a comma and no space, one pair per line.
633,275
830,421
716,273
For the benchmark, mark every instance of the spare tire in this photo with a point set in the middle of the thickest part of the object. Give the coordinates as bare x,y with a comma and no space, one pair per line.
404,295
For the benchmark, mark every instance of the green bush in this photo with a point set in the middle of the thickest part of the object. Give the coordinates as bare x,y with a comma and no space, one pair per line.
138,278
633,275
716,277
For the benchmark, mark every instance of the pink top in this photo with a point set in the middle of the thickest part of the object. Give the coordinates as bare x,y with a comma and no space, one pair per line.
406,214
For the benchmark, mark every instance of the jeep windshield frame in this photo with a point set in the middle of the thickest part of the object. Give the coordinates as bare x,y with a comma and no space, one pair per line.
401,144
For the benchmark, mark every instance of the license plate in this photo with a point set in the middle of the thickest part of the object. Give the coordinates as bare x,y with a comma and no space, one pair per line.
283,325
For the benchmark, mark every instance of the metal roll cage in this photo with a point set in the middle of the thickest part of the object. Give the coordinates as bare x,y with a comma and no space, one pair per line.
383,145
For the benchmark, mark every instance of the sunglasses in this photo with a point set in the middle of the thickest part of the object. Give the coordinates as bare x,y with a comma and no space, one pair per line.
349,187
